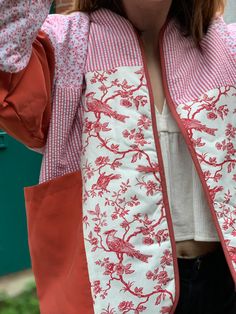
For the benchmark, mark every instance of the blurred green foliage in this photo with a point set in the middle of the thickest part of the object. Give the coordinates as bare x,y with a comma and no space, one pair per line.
24,303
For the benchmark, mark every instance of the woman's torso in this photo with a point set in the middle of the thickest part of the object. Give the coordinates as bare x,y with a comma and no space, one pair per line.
186,248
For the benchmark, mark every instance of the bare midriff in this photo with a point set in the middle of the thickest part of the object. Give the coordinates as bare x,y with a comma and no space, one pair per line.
192,249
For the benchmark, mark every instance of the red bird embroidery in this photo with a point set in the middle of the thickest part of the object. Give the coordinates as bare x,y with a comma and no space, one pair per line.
120,246
197,125
97,106
104,180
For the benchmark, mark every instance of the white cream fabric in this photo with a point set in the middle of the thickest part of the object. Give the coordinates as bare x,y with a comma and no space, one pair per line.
189,209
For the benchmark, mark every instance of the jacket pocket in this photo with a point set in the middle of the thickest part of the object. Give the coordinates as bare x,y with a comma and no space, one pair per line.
56,242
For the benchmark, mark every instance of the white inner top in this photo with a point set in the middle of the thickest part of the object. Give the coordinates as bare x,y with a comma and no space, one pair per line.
189,209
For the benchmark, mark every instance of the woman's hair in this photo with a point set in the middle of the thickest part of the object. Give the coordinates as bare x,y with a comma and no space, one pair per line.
193,16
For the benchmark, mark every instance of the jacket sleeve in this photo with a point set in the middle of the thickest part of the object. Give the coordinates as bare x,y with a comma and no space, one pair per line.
26,71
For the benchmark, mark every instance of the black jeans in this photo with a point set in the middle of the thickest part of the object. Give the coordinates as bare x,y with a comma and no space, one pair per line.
206,286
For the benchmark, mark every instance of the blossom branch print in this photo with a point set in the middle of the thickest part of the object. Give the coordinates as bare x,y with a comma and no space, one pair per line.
210,123
210,104
117,270
121,238
214,111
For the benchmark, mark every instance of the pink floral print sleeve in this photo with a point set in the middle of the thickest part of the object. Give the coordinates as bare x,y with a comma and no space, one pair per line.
19,24
26,71
38,55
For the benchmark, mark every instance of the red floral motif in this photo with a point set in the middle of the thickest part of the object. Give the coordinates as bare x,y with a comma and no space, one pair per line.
227,147
198,142
230,131
102,160
140,101
125,103
89,171
167,258
160,276
144,122
96,126
150,186
162,235
137,136
109,268
124,306
96,287
148,241
212,116
163,278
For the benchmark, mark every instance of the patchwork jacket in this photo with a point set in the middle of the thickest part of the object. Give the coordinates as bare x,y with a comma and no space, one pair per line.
76,88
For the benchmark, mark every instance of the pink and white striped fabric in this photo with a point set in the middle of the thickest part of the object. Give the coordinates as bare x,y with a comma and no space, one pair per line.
109,50
195,71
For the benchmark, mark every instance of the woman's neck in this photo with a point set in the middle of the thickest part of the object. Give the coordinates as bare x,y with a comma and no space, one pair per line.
148,17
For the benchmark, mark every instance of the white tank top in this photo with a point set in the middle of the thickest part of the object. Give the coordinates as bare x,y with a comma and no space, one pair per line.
190,212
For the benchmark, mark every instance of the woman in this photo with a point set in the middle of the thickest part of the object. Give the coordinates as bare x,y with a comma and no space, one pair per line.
124,102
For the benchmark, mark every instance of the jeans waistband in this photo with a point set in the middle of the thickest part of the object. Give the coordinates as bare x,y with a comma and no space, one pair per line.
202,264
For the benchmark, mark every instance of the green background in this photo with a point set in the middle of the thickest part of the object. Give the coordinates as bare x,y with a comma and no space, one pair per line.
19,167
